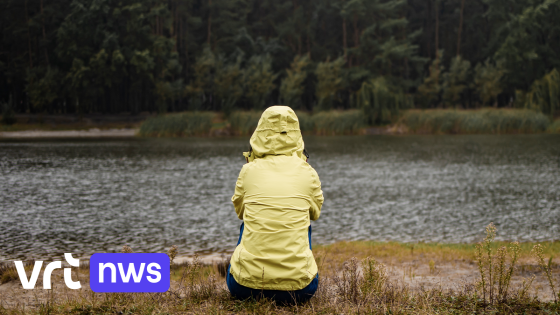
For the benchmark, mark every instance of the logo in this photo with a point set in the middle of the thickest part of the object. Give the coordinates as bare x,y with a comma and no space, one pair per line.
30,283
129,272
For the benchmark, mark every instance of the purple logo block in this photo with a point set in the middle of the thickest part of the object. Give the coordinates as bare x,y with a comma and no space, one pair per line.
129,273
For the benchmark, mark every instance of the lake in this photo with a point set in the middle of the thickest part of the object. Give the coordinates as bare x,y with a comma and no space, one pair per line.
88,196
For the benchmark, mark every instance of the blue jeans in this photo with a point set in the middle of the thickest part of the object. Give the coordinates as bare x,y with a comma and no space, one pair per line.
282,297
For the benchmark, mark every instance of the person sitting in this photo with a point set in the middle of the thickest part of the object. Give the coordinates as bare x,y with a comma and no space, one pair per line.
276,195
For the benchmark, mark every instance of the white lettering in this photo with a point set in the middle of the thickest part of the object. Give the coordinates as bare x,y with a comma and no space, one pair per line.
131,271
113,272
74,285
47,273
157,274
23,276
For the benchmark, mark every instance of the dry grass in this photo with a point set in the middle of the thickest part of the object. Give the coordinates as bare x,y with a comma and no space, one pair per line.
355,278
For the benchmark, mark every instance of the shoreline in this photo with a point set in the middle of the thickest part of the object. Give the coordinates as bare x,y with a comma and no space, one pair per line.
93,133
90,133
447,271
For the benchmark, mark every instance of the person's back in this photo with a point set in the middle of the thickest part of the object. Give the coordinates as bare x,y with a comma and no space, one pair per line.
276,195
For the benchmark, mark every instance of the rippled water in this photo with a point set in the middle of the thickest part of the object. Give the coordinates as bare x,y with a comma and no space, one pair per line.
95,196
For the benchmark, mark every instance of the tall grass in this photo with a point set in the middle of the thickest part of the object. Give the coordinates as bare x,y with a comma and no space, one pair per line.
244,123
475,121
554,127
323,123
176,125
333,122
338,122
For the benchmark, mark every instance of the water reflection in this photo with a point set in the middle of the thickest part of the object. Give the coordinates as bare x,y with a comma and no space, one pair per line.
95,196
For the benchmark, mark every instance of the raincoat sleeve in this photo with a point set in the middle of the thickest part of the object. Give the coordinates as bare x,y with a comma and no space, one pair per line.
239,194
316,197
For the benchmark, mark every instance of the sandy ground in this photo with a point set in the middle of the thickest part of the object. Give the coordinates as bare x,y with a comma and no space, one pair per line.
416,274
91,133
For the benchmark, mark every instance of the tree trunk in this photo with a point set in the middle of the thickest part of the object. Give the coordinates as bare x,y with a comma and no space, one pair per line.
460,28
175,31
437,28
28,37
186,48
209,21
308,45
344,39
44,33
356,34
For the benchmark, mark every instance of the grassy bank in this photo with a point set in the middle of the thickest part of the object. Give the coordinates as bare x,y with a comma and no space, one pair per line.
244,123
355,278
436,121
483,121
177,125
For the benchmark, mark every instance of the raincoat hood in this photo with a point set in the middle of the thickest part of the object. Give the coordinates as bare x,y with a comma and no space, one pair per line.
277,133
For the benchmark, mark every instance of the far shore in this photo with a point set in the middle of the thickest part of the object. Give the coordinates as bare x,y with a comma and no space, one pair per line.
127,133
90,133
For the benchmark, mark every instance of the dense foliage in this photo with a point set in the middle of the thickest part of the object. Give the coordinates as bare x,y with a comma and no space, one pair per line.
109,56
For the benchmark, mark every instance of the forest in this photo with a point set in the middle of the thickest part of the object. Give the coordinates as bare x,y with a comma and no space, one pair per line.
380,56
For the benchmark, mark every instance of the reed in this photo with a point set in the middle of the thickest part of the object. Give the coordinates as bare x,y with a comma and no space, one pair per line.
483,121
306,124
177,125
244,123
554,127
322,123
338,122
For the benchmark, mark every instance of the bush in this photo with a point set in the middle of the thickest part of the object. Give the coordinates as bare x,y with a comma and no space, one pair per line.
544,95
176,125
477,121
380,101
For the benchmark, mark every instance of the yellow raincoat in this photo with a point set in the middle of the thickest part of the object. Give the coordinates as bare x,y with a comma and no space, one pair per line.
276,195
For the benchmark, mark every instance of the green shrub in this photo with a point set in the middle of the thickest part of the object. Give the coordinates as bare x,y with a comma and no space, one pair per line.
176,125
476,121
380,101
544,94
